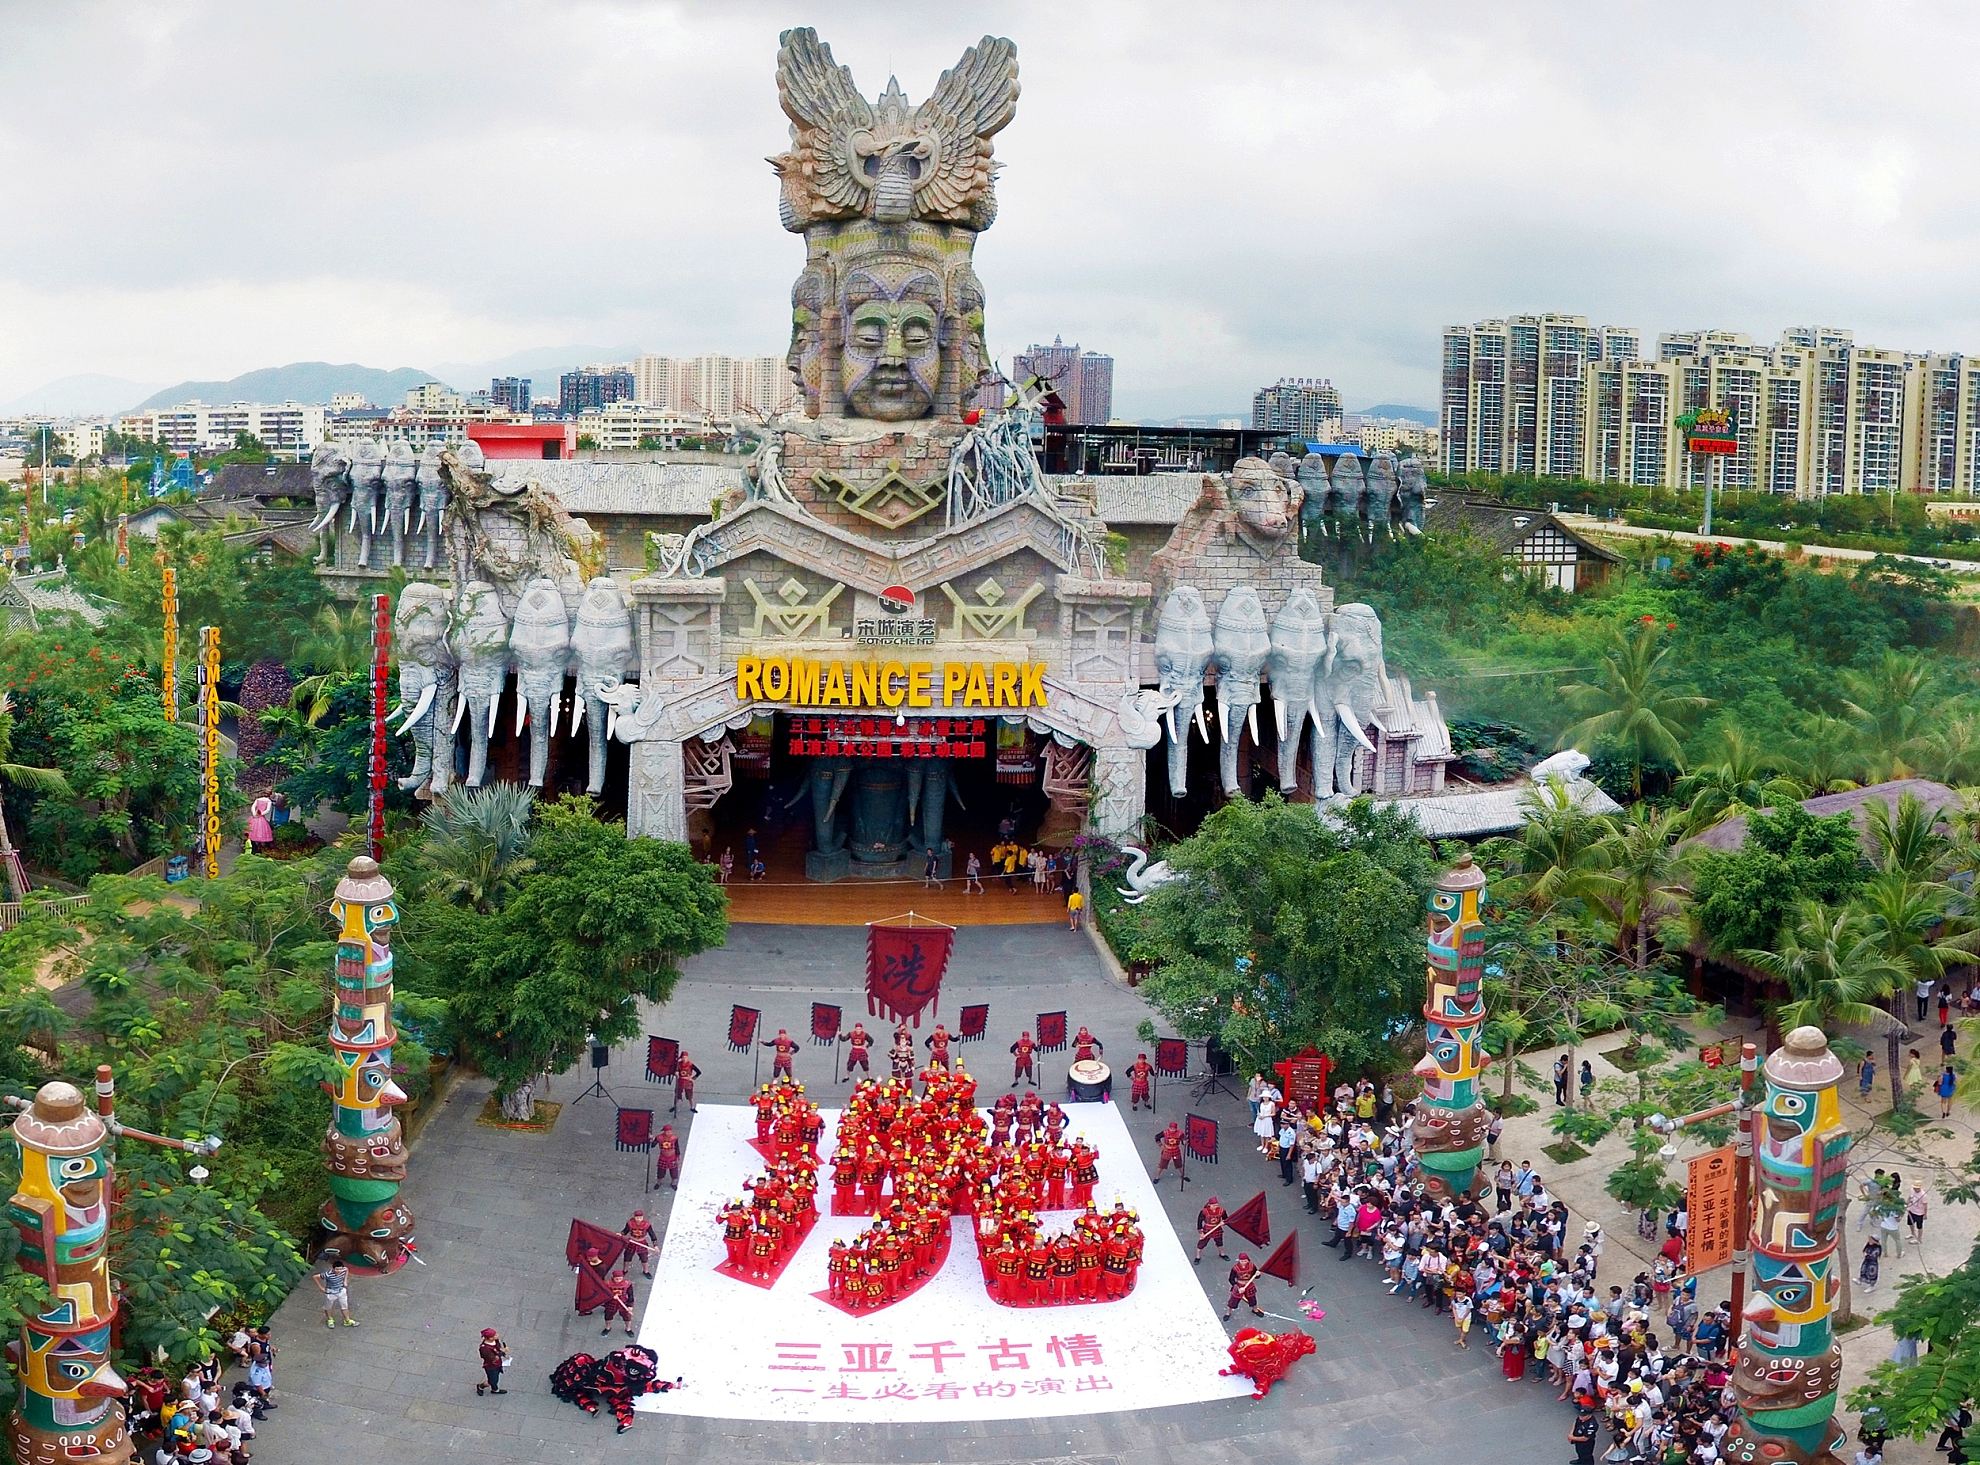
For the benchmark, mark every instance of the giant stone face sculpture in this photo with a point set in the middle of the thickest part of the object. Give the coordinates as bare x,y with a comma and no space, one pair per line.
886,319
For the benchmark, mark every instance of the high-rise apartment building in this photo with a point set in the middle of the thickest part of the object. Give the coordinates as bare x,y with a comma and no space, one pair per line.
719,386
287,429
1084,380
592,387
1812,415
510,393
1308,407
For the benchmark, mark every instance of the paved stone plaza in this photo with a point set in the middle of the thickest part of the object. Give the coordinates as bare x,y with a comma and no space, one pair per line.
493,1208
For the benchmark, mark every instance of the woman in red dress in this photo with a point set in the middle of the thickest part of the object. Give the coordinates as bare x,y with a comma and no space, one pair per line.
1512,1350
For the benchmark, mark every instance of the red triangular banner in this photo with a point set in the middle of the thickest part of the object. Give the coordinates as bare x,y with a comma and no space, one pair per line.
1251,1221
1284,1263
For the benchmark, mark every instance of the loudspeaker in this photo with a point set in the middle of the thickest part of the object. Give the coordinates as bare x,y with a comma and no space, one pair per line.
1217,1060
600,1055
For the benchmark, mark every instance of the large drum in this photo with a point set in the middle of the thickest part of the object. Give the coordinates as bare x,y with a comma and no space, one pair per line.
1090,1081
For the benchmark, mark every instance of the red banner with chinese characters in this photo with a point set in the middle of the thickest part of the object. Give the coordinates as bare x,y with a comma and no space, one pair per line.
635,1129
742,1027
1252,1221
975,1022
1200,1134
825,1019
592,1292
904,967
1284,1263
1051,1032
663,1056
1708,1192
1171,1057
884,737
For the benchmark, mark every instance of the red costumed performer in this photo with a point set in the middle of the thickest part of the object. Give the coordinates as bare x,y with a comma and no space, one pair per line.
786,1048
685,1073
859,1043
667,1158
1024,1069
1210,1228
1139,1073
1168,1149
1265,1358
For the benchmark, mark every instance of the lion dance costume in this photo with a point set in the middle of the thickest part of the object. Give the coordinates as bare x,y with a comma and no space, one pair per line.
1265,1358
616,1380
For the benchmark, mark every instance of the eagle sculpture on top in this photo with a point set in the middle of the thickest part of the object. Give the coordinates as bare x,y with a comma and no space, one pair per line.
852,159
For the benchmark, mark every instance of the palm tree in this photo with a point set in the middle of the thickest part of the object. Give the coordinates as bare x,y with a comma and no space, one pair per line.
1743,780
1906,919
1907,840
1832,967
1633,703
1890,704
1639,877
1825,760
1950,751
336,648
474,842
23,776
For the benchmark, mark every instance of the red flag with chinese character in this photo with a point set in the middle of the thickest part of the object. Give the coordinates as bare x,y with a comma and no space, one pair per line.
975,1022
635,1129
825,1018
1051,1032
592,1293
1252,1221
904,967
1171,1057
742,1027
663,1056
1200,1134
1284,1263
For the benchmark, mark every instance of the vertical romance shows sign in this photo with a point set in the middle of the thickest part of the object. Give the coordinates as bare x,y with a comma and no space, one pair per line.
1708,1192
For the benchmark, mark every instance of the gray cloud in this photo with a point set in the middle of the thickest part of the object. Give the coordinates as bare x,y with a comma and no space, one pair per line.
1219,194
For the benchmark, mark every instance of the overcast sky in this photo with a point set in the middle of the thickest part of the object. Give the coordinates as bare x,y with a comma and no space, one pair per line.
1216,194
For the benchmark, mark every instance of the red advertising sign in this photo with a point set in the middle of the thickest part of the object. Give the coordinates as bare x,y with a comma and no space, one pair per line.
1708,1193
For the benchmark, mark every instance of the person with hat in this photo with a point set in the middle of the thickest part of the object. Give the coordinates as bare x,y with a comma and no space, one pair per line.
667,1159
638,1232
784,1048
1244,1286
1139,1073
494,1358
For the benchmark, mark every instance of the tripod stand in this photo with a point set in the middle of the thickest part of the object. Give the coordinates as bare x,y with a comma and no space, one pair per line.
600,1056
1209,1082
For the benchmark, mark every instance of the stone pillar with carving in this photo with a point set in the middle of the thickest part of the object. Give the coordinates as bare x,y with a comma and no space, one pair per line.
679,626
1120,792
1100,623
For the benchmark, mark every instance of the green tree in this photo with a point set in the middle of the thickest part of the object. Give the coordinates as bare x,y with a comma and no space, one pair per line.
1289,929
1891,704
1829,965
27,778
1640,878
600,925
1634,702
1742,779
474,843
1741,898
1905,921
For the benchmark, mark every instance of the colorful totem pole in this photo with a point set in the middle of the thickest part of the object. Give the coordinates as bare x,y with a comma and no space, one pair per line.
365,1148
1790,1364
71,1401
1450,1124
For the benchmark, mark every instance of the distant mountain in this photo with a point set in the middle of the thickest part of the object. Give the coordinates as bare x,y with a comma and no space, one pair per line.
299,381
540,366
1396,410
87,395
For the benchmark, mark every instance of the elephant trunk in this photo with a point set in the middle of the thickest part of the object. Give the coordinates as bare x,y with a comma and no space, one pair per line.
596,706
539,736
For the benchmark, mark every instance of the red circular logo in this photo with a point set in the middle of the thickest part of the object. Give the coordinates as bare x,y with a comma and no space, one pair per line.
897,600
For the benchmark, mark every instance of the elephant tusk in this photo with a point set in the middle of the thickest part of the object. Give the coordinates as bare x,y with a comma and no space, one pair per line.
1223,721
611,721
494,706
405,520
460,711
351,523
1353,725
556,706
1279,716
374,518
577,709
419,708
1202,723
1251,721
522,712
328,514
1170,717
422,519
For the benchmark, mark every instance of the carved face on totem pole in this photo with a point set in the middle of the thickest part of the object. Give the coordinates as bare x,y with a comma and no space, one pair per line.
892,360
887,318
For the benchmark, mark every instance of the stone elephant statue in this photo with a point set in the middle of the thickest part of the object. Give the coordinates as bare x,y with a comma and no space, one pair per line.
825,785
329,467
1412,486
480,644
602,651
1354,682
1350,498
1295,661
1183,647
431,484
1240,644
400,475
540,646
1383,513
1316,505
367,483
426,683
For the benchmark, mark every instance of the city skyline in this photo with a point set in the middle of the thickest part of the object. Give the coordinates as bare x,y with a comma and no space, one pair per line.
1454,132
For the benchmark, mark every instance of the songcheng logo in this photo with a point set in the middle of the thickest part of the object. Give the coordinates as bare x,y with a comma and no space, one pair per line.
897,600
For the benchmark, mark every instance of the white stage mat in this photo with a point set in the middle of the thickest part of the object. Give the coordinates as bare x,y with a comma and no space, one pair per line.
945,1352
